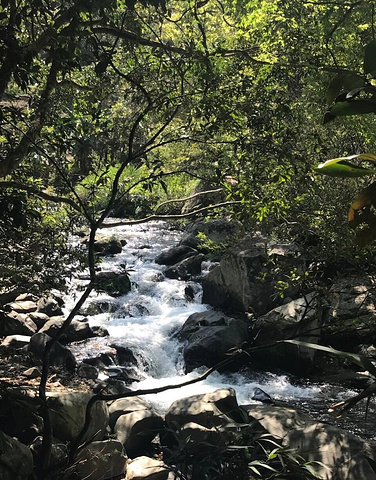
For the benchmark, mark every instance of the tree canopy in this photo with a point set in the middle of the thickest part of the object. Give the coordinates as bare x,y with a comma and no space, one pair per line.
105,101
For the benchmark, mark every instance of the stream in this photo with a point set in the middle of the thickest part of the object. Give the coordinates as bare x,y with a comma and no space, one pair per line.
146,319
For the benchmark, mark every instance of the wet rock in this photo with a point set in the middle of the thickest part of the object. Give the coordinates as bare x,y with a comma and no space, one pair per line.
186,268
113,283
261,396
210,335
175,255
101,461
26,297
60,356
85,370
16,460
108,245
68,416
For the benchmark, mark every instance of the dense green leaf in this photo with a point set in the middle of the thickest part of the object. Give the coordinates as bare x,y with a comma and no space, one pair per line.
350,107
343,81
369,64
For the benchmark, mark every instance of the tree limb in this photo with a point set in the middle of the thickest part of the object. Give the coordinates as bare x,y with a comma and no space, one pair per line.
170,217
41,194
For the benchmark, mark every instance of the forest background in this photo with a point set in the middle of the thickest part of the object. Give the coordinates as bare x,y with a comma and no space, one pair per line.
105,105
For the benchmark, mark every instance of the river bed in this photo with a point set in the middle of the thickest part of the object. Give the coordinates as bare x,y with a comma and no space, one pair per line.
147,319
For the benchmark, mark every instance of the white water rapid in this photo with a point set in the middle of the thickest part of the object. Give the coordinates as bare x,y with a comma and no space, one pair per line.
146,319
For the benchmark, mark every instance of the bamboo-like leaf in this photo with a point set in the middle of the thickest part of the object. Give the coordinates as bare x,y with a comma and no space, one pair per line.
359,360
342,166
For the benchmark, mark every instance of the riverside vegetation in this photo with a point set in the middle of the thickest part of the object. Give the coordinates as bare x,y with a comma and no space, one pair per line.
170,110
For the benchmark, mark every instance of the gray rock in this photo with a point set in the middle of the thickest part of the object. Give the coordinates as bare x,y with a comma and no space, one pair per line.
113,283
209,336
126,405
216,409
68,416
344,456
76,331
16,460
145,468
38,318
88,371
108,245
15,341
50,306
135,430
175,255
15,323
101,461
350,317
60,356
299,319
24,306
186,268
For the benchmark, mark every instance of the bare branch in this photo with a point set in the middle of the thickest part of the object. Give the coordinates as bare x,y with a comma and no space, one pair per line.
176,200
41,194
171,217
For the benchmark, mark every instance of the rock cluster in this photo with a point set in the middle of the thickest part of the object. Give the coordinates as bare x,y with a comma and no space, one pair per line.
122,433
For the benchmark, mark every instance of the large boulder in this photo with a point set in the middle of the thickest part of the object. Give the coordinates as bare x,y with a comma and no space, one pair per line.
16,460
209,335
299,319
342,455
100,461
350,312
248,276
136,429
113,283
15,323
76,331
108,245
175,255
184,269
68,416
51,306
60,356
218,231
216,409
126,405
236,284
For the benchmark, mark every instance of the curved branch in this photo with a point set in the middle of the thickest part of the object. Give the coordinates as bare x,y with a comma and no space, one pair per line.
41,194
176,200
170,217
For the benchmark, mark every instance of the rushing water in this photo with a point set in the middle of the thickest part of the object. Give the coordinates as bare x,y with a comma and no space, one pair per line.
146,319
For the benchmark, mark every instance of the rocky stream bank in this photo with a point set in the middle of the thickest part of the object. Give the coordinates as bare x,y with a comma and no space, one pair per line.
201,435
